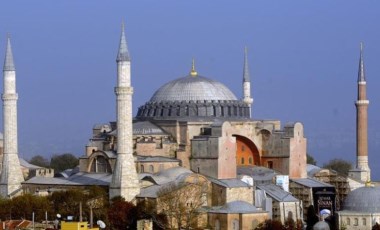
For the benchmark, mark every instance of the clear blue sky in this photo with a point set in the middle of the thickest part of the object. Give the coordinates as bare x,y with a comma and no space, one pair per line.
303,58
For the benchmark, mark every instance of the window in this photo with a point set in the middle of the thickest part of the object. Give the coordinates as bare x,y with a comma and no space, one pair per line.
242,148
242,160
356,222
250,160
348,221
142,168
270,164
235,224
217,224
364,221
151,168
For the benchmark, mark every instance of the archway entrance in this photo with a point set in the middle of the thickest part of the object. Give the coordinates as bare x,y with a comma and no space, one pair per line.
246,152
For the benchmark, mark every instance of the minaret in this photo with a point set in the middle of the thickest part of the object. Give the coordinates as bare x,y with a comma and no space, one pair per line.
362,171
11,175
125,181
247,83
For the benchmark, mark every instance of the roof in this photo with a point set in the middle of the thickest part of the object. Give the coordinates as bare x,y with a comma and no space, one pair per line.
365,199
311,183
192,88
235,207
277,193
147,128
156,159
78,179
312,170
257,173
162,179
229,183
28,165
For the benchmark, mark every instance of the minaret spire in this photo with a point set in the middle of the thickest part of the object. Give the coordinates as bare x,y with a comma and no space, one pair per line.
11,175
361,73
246,77
362,170
8,62
123,54
247,99
125,181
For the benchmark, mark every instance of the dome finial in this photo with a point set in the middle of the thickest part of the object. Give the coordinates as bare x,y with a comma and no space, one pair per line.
193,72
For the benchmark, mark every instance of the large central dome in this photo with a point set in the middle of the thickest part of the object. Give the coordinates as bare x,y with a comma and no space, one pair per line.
193,97
193,88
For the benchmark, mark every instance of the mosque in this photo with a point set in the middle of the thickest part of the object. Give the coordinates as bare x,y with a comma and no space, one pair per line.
192,129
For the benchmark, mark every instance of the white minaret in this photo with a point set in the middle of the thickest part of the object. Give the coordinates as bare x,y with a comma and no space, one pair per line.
125,181
247,84
11,175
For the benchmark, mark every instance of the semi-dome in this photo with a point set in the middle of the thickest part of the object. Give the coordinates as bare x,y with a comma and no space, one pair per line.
192,88
364,199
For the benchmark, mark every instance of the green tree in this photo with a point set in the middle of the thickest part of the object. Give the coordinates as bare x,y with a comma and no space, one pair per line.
339,165
63,161
22,207
310,159
67,202
40,161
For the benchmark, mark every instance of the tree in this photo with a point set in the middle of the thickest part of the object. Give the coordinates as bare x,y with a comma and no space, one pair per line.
339,165
181,202
122,214
40,161
310,159
63,161
67,202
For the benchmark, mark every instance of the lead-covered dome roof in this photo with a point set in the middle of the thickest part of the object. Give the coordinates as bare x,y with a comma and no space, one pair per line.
192,88
193,97
364,199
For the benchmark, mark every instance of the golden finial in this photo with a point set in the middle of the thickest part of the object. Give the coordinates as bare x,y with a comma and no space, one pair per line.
193,72
368,183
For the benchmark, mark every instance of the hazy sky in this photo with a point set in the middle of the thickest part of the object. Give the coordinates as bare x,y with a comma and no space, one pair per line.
303,58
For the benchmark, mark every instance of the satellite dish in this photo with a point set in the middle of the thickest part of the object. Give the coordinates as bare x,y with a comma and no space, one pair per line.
101,224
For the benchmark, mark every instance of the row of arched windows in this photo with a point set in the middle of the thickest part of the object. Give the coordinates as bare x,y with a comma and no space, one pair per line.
356,221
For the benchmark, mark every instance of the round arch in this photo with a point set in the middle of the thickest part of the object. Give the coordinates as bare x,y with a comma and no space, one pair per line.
247,152
99,163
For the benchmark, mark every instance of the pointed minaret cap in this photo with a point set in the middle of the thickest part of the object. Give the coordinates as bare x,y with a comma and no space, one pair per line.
8,62
123,54
361,74
246,77
193,72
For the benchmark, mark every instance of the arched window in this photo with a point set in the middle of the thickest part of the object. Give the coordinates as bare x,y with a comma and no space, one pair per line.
100,165
364,221
142,168
242,160
356,222
250,160
348,221
151,168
